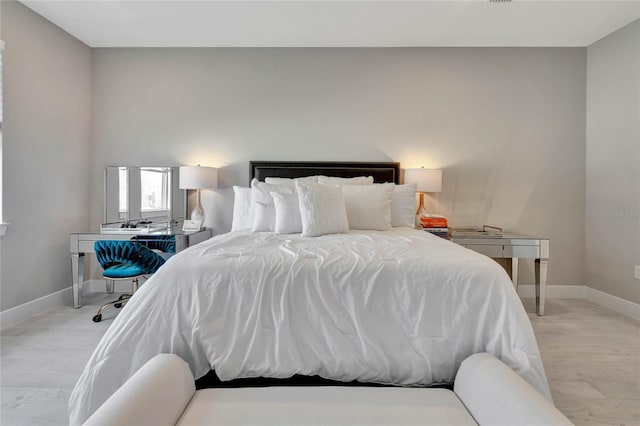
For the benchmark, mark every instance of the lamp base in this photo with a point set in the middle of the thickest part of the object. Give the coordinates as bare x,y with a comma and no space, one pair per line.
198,212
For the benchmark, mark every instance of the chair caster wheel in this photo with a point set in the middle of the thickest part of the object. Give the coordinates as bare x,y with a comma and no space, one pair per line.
117,305
97,318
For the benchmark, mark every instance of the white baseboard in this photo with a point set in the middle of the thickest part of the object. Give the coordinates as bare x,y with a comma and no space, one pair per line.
62,297
554,291
21,312
598,297
614,303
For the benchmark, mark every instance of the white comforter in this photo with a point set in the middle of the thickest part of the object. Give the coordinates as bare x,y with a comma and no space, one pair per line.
400,307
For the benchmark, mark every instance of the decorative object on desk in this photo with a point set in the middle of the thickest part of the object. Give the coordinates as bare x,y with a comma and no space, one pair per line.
191,225
198,177
140,227
427,180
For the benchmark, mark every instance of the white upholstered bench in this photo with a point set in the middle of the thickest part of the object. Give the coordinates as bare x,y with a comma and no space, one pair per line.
486,392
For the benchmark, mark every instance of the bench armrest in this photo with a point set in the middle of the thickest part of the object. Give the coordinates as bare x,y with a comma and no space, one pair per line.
156,394
495,395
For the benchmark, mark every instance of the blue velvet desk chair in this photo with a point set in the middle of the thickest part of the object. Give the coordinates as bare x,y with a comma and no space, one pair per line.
129,260
164,245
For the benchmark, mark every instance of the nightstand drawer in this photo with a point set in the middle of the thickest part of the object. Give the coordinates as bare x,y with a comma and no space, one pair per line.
487,250
522,251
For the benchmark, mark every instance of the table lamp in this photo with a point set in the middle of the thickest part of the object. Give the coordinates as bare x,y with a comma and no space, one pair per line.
198,177
427,180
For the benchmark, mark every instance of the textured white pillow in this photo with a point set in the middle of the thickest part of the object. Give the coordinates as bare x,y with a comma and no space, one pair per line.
369,206
360,180
288,181
262,202
403,205
322,209
288,219
243,211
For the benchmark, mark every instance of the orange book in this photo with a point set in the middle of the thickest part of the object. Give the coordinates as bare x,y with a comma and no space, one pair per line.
433,221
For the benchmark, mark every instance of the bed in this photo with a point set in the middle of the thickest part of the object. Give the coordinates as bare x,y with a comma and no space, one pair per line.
399,307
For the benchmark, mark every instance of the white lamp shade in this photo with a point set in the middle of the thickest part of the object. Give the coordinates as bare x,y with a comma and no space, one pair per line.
198,177
428,180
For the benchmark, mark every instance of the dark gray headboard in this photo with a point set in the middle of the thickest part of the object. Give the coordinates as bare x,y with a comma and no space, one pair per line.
381,171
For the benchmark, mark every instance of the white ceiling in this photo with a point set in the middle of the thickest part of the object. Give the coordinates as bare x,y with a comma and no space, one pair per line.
303,23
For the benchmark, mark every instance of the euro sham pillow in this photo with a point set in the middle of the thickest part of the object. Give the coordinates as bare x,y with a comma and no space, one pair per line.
243,211
322,209
262,202
289,181
288,219
369,206
403,206
360,180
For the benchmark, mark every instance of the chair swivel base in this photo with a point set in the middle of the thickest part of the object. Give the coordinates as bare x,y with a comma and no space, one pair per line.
116,304
123,297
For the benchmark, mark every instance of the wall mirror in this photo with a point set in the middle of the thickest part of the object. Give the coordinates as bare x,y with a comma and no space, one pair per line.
143,194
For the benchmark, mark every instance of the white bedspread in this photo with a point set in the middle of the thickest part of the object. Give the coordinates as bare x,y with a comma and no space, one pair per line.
399,306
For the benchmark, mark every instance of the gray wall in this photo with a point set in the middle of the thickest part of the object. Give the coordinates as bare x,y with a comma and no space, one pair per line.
507,125
613,163
47,118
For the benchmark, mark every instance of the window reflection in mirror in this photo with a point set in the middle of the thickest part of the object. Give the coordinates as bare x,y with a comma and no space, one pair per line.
156,191
142,194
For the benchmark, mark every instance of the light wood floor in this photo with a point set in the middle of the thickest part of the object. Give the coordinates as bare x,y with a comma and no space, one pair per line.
592,359
591,356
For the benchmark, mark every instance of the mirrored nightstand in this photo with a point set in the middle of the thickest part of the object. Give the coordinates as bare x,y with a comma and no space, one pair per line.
513,246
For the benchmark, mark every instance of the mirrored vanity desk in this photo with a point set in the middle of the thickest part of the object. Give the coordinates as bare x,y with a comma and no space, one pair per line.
82,243
139,201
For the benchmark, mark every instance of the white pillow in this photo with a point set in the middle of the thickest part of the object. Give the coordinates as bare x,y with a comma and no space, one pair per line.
322,209
288,181
369,206
243,211
403,205
262,202
361,180
288,219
